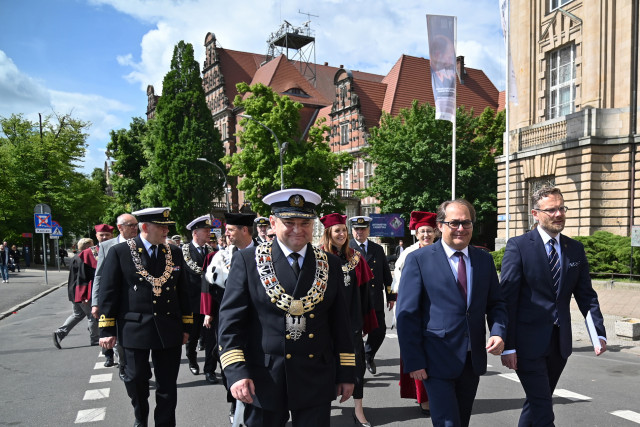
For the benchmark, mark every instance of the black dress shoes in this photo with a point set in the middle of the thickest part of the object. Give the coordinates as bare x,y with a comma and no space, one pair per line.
371,366
357,421
121,371
56,340
138,423
109,362
232,412
193,367
211,378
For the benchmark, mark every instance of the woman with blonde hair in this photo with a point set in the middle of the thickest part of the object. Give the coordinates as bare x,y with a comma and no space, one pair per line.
335,240
424,224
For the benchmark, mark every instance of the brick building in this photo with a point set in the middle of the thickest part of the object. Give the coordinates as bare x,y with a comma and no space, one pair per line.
574,125
351,101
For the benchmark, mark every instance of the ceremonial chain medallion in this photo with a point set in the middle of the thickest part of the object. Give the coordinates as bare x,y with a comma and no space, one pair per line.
348,267
295,309
190,262
157,282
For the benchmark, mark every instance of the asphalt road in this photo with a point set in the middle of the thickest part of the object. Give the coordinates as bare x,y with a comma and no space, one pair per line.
43,386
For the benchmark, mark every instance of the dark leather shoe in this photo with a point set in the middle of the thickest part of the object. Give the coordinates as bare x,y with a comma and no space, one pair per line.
121,372
138,423
371,366
357,422
109,362
194,368
211,378
56,340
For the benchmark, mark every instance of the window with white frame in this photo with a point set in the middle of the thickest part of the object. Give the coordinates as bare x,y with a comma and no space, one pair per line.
344,134
554,4
562,81
368,173
346,179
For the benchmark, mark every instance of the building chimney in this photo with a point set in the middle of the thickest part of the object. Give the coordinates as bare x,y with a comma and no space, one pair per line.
460,68
326,63
341,66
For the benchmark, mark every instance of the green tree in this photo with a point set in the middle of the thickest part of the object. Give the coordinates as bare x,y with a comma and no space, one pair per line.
43,168
126,148
182,131
412,152
307,164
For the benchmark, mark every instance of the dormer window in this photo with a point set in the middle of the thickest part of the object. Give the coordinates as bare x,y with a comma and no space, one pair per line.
296,91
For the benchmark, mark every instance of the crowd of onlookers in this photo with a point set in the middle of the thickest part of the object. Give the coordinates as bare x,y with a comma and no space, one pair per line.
9,260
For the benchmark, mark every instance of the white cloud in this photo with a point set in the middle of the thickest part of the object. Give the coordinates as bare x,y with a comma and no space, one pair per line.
20,93
361,35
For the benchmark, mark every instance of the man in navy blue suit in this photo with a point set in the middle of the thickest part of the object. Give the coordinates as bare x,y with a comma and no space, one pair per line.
541,270
445,292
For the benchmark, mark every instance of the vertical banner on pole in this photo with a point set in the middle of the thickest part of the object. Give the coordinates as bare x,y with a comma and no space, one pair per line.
511,73
441,31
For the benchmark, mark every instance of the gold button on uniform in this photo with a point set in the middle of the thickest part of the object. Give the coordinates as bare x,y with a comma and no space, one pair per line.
311,356
312,315
155,302
311,335
288,356
288,336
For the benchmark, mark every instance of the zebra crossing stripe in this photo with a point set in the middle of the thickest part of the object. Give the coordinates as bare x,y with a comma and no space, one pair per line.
90,415
511,376
100,393
627,415
570,395
102,378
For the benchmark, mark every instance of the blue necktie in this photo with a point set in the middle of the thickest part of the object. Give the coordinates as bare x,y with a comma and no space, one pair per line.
295,265
554,266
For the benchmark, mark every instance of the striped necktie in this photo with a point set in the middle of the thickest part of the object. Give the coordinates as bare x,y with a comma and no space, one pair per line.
554,265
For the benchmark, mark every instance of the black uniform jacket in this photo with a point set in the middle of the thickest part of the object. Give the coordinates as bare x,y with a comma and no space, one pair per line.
128,305
254,344
194,278
382,277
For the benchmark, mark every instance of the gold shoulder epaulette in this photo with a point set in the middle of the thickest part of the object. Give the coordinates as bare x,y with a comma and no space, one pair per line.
188,319
347,359
233,356
104,322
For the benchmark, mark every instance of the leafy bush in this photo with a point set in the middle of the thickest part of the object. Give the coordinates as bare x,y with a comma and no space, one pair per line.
606,253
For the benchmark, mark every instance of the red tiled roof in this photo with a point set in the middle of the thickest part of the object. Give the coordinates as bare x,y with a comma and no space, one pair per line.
371,96
501,98
237,67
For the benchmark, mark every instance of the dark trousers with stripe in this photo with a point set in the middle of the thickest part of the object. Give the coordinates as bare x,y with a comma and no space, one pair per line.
166,364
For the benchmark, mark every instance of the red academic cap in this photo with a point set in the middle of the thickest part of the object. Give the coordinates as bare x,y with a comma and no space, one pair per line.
103,228
333,219
419,219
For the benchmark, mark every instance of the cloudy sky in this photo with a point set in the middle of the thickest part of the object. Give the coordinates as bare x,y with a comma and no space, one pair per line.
95,58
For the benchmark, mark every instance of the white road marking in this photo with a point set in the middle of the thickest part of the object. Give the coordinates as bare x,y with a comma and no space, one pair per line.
489,366
570,395
102,378
90,415
511,376
100,393
100,365
627,415
390,335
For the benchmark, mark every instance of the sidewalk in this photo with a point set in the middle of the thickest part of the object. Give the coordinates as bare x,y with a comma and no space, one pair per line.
29,285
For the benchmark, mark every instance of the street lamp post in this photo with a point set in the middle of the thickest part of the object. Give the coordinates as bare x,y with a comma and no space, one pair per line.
281,147
226,192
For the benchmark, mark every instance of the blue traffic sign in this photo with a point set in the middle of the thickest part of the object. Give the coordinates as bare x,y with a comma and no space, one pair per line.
56,229
42,222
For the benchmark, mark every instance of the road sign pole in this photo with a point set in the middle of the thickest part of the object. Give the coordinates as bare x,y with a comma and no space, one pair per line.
41,209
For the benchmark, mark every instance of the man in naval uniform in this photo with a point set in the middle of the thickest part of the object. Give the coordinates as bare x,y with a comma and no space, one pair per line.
239,230
143,299
379,286
285,341
262,224
194,254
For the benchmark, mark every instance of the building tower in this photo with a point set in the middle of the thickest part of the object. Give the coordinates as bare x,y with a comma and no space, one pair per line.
298,44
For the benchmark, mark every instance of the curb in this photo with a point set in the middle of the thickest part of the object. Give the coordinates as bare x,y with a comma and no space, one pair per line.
31,300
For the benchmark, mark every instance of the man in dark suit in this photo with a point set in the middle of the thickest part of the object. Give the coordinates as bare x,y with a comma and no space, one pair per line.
380,285
446,290
128,229
399,248
194,254
541,270
285,341
143,299
262,224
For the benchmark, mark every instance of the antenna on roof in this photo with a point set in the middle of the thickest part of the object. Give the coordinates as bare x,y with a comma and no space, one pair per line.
298,43
309,15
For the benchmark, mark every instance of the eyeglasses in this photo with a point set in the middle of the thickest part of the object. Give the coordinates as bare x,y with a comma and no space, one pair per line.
133,224
454,225
553,211
271,236
426,231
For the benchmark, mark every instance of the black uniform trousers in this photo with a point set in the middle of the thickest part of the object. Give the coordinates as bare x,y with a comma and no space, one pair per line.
166,364
194,336
539,378
315,416
375,337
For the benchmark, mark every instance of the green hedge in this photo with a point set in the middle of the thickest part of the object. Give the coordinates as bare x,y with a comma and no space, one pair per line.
606,253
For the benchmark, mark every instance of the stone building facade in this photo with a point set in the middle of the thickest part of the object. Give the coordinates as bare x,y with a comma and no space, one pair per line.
573,126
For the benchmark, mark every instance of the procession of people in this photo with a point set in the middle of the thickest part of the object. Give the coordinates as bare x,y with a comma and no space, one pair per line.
295,326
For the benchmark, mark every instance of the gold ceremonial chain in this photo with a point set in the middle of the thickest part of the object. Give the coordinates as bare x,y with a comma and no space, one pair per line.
296,323
190,262
348,267
157,282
